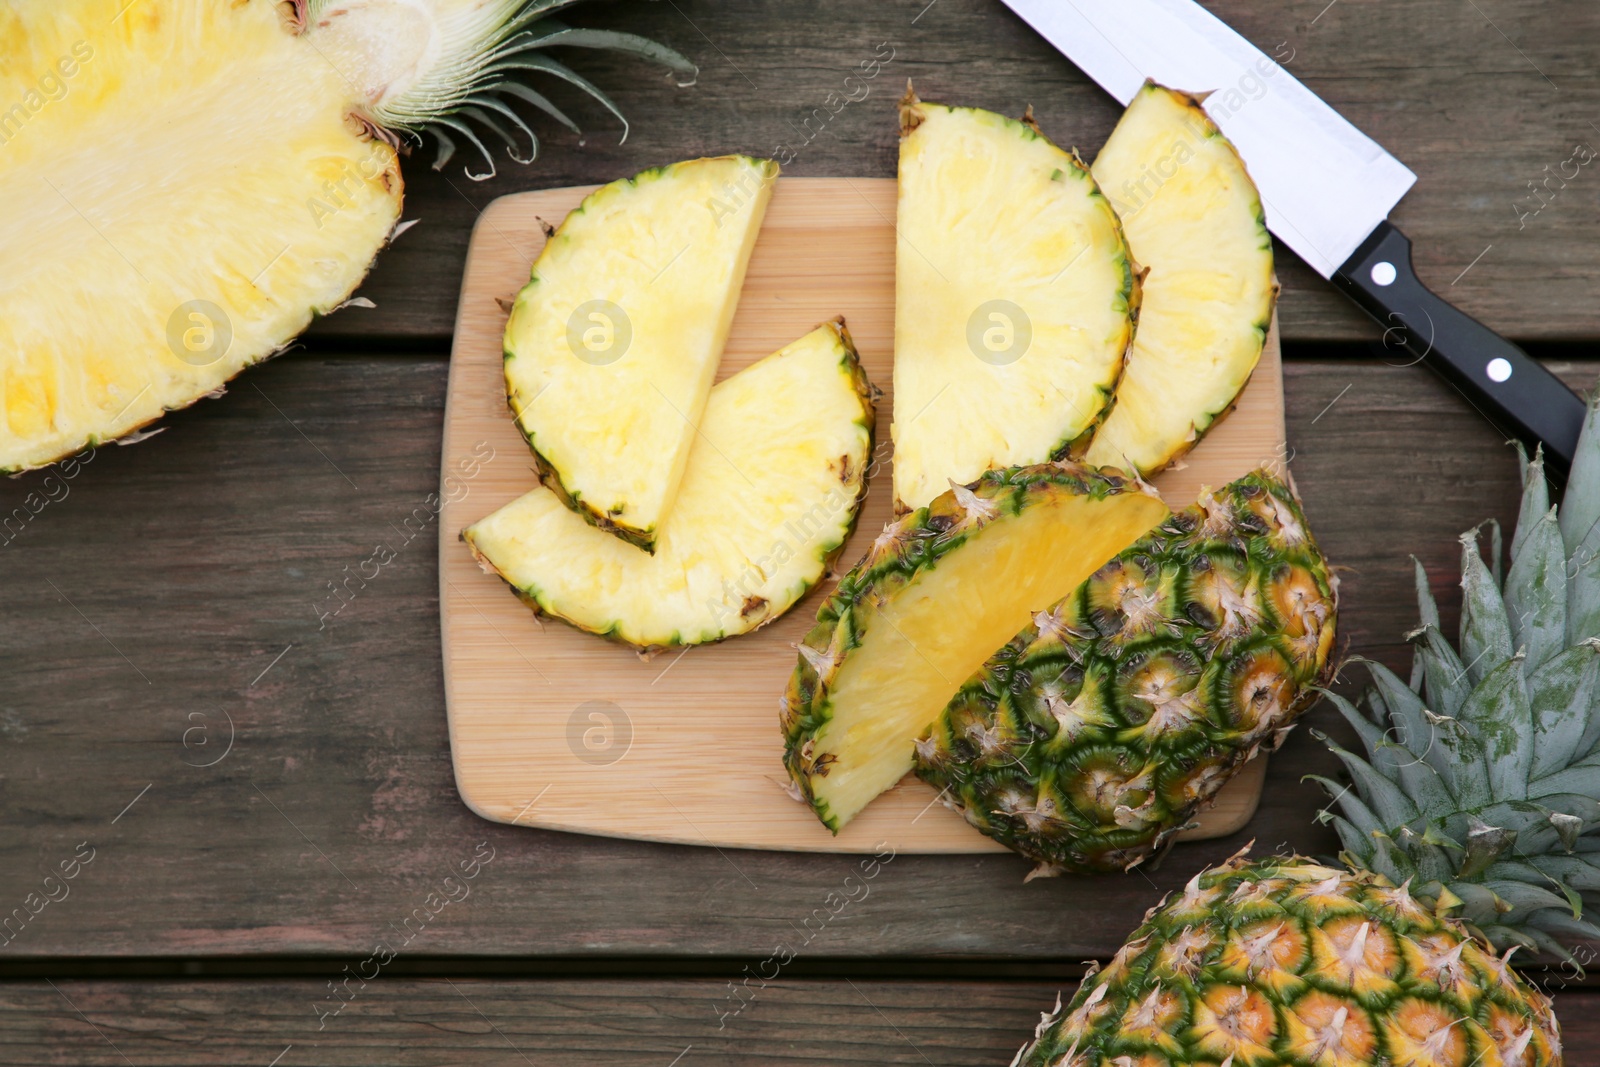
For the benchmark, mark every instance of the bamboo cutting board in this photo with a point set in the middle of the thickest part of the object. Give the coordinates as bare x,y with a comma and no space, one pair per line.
559,729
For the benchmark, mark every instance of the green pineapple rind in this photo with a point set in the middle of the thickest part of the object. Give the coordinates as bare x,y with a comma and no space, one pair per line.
1480,779
1048,748
915,542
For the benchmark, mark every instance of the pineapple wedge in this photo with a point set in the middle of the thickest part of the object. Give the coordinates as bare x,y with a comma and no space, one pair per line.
938,592
771,493
612,346
1013,299
1193,220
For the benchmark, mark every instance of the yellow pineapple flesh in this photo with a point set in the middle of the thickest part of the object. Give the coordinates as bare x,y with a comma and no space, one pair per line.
612,347
1013,297
130,286
1194,224
771,493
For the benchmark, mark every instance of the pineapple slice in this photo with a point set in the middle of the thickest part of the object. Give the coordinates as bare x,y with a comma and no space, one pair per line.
189,182
612,347
771,493
1013,298
938,592
1193,221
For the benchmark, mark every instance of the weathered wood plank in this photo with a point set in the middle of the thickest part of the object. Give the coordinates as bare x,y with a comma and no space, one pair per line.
396,1021
184,582
1466,107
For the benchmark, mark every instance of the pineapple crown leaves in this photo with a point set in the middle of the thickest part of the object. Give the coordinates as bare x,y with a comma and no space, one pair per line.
1480,781
449,67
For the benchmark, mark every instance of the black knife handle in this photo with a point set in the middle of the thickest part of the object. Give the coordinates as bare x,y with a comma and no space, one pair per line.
1500,379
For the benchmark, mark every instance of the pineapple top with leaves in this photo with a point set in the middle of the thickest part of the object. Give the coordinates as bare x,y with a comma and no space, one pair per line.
1481,778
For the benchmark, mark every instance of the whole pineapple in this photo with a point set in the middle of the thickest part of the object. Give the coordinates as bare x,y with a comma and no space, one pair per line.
1469,829
1089,740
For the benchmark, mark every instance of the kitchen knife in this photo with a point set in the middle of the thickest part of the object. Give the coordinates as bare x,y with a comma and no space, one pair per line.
1326,188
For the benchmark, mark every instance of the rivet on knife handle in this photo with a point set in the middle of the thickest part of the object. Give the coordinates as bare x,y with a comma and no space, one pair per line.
1500,379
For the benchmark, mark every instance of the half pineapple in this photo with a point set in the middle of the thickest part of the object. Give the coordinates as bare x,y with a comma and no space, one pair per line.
1162,652
1194,224
1013,299
939,590
771,493
188,182
612,346
1089,740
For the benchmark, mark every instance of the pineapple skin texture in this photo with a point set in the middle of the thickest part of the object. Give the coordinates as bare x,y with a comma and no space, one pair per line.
913,546
1287,963
1092,737
151,179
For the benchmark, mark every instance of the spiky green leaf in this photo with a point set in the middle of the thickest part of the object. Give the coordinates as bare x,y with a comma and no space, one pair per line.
1562,697
1485,628
1573,871
1535,497
1582,778
1485,845
1583,587
1427,611
1524,897
1411,727
1445,675
1497,712
1536,591
1580,507
1391,806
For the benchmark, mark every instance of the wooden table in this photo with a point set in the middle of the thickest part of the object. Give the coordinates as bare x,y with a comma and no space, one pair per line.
174,590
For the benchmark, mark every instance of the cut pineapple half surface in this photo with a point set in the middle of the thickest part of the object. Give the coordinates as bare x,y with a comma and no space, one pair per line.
188,182
1193,220
770,495
163,229
612,346
938,592
1013,297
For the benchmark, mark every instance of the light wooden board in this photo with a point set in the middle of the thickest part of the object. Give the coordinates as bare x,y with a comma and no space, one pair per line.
554,728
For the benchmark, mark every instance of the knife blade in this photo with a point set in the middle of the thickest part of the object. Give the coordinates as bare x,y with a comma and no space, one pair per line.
1326,189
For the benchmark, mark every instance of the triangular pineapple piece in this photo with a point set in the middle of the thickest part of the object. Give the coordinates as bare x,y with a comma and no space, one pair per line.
1012,299
771,492
939,591
1194,223
612,346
